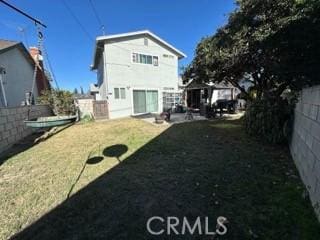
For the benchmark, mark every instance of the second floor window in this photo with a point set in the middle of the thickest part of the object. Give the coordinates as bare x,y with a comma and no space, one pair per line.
145,59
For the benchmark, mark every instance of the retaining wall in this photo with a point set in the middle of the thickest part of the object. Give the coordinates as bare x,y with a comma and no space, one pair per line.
12,127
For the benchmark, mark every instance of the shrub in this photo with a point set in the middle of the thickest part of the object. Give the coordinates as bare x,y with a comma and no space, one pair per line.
269,119
87,118
61,101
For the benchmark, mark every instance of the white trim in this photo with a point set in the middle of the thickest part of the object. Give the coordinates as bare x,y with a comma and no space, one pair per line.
2,72
146,32
114,95
144,89
105,80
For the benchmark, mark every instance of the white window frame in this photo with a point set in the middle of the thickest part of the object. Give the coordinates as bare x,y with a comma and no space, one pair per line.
146,54
120,93
114,90
153,62
146,89
120,96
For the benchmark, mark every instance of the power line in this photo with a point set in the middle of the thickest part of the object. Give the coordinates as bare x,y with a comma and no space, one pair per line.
36,21
77,20
50,66
97,16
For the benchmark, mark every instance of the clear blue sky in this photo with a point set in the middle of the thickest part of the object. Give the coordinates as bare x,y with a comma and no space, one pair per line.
180,22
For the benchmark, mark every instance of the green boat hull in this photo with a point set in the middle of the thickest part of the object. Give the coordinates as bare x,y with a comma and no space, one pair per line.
45,122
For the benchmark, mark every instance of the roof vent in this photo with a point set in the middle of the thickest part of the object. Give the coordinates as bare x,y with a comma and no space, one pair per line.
146,41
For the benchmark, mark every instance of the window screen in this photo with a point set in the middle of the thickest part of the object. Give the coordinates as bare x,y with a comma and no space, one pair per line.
122,93
116,93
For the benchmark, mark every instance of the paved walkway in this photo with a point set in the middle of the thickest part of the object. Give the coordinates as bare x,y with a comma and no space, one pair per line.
180,118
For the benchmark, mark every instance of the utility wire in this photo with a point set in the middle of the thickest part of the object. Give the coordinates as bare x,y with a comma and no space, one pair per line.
23,13
77,20
50,66
97,17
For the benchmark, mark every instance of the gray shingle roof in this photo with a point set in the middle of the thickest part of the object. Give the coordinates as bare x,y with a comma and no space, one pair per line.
4,44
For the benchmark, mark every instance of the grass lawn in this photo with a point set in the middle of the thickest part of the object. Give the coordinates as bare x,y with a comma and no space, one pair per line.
61,189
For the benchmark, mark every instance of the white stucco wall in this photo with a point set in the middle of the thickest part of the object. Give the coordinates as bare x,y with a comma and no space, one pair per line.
101,76
18,77
221,94
121,72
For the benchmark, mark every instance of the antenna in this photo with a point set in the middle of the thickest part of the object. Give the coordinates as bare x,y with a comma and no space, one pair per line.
23,32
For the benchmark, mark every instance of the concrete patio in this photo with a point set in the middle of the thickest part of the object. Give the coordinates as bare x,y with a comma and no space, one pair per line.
180,118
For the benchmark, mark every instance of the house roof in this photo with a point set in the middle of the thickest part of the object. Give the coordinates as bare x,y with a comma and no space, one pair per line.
102,39
6,45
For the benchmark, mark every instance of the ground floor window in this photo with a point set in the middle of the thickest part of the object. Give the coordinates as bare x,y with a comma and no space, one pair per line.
119,93
145,101
171,99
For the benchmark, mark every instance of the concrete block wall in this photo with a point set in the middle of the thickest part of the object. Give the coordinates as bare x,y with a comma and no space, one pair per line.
85,106
12,127
305,142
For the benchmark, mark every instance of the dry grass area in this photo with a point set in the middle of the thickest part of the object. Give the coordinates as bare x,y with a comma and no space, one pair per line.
40,178
204,168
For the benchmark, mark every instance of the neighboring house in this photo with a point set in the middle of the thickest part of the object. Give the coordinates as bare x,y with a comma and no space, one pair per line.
17,69
135,71
200,93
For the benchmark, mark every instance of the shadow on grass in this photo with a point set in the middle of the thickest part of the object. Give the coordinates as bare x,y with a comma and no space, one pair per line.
191,169
90,161
112,151
29,141
19,147
115,151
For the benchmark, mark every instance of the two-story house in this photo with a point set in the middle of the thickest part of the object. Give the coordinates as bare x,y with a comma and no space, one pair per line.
134,71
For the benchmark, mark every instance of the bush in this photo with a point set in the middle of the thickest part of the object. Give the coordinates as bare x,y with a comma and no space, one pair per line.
87,118
60,101
269,119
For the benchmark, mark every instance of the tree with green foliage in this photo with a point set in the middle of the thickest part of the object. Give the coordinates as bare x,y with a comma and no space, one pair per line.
274,44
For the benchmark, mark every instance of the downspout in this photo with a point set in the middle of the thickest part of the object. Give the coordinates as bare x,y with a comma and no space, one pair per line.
105,71
2,72
105,77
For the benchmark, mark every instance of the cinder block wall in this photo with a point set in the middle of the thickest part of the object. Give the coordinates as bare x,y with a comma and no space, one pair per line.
12,127
305,142
85,106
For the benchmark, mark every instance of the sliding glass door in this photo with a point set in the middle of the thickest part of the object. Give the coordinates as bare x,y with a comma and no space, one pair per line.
152,101
139,101
145,101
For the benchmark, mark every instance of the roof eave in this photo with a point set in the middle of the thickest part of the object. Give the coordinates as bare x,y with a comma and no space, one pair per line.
146,32
94,65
